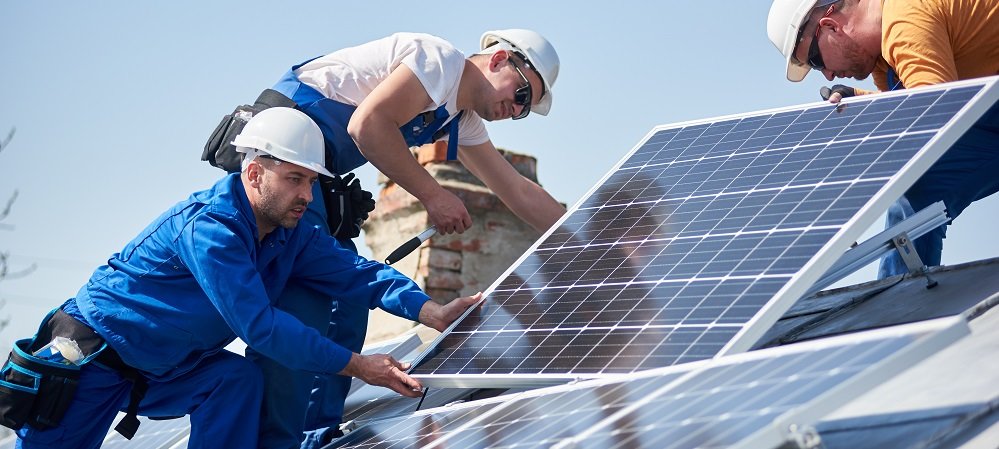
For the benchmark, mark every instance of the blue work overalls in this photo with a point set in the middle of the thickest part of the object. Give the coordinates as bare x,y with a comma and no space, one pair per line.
289,393
967,172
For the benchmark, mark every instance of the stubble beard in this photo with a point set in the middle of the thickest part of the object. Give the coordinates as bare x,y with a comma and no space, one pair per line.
273,211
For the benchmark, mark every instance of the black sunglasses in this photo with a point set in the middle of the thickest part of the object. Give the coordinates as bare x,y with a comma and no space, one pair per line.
814,54
523,95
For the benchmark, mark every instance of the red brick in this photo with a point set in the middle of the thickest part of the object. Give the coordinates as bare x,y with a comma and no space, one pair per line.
444,279
444,258
432,152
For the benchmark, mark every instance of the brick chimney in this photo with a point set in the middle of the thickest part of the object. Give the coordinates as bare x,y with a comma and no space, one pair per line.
455,265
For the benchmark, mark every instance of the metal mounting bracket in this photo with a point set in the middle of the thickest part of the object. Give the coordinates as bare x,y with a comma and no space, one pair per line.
804,437
926,220
911,258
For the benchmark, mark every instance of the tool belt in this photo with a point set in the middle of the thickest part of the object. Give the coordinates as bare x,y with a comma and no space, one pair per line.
38,392
219,150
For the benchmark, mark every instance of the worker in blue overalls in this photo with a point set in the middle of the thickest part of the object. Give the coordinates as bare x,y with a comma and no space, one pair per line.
904,44
373,102
153,321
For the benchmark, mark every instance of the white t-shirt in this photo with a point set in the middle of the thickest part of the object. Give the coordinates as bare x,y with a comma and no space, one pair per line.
350,74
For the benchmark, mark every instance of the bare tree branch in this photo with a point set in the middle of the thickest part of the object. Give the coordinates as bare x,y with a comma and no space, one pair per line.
5,272
6,210
10,135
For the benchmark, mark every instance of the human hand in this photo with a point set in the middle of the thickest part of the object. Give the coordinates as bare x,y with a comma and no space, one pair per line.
384,371
837,93
440,317
447,213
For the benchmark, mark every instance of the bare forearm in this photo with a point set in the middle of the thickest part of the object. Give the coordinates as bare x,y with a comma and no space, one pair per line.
534,205
385,148
544,210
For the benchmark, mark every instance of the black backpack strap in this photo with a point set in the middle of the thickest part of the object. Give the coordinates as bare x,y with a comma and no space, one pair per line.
273,99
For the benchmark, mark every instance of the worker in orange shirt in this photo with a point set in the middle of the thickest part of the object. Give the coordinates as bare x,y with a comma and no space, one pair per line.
904,44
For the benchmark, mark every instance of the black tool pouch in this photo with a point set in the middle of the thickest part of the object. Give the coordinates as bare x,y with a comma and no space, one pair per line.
219,150
38,391
33,390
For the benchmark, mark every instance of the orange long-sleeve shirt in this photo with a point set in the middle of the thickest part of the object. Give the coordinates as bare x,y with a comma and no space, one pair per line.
936,41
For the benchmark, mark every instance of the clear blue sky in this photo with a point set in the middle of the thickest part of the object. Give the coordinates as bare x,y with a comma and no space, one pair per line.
113,101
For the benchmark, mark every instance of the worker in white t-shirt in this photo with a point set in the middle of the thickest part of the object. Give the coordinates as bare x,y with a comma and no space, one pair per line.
373,102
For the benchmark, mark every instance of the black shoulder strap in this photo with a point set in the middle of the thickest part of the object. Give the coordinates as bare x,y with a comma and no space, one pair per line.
272,99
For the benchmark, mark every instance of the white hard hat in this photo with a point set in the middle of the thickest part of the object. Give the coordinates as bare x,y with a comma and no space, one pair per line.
540,55
286,134
784,24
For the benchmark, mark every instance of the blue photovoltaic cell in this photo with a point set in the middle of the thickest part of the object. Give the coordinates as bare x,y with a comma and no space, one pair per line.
688,239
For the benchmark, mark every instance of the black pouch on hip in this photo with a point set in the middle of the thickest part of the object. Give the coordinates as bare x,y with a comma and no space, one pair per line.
38,391
34,390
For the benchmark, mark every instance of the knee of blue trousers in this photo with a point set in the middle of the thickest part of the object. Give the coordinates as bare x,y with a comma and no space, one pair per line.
287,391
225,399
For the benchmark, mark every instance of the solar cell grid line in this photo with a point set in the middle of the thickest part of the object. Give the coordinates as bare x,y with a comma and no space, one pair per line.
754,400
703,233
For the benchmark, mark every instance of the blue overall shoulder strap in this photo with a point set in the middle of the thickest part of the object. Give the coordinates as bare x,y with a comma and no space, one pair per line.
452,140
894,83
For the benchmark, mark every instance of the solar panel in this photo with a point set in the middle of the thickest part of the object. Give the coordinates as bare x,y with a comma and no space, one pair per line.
749,400
700,238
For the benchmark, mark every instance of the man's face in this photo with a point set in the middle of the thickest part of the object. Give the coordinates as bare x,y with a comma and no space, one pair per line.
508,74
285,190
842,56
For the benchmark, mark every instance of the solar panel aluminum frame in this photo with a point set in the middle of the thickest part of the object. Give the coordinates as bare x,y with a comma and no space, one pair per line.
797,284
938,334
